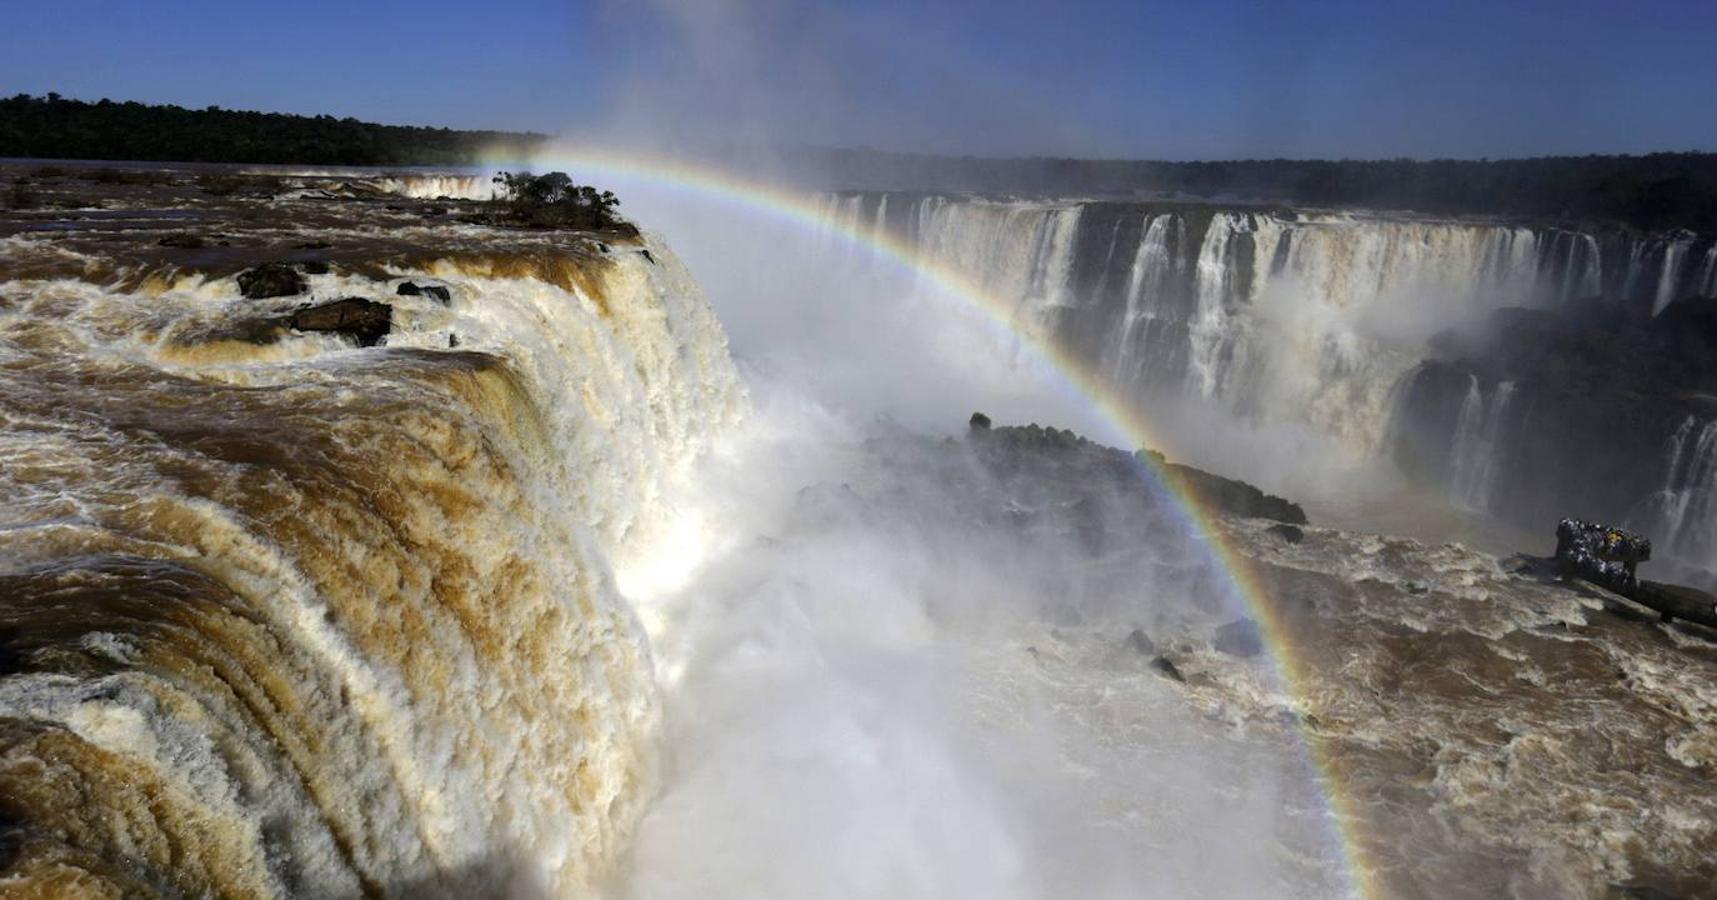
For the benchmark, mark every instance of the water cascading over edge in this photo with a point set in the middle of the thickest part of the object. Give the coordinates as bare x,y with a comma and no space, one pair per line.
291,617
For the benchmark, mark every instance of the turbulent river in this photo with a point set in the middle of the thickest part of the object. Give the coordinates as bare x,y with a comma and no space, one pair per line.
355,548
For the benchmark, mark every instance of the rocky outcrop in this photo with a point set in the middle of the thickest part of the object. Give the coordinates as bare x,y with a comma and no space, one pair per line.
1230,495
365,321
1059,456
270,280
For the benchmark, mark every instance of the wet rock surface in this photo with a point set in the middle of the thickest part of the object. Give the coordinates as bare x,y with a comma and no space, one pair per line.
1060,456
271,280
436,292
365,321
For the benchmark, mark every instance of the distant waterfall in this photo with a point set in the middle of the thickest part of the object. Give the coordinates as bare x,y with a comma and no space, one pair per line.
1668,277
1478,444
1312,319
1295,316
1686,509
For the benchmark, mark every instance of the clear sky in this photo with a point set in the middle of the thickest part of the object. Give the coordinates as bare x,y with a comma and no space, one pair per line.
1219,78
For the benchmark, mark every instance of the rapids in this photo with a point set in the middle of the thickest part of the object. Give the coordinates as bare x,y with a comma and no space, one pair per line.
288,617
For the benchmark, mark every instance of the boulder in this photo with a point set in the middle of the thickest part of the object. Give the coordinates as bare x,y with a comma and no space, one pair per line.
979,422
270,280
365,321
432,291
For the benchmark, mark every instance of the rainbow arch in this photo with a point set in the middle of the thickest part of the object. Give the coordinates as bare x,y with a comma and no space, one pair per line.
801,209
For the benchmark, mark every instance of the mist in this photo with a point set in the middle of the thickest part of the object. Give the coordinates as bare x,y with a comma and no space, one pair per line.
875,680
869,690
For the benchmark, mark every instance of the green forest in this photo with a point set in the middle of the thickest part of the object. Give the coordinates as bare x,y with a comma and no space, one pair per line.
53,127
1651,191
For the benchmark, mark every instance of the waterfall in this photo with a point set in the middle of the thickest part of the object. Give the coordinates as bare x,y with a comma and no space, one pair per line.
1259,311
1687,506
434,187
1214,331
285,616
1148,278
1669,278
1296,318
1478,444
1705,285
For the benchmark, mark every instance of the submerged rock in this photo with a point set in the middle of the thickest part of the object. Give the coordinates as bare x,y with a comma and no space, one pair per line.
366,321
1293,534
1165,667
183,242
1141,642
1239,638
270,280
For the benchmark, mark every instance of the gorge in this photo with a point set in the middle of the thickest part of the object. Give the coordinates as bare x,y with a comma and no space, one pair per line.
362,544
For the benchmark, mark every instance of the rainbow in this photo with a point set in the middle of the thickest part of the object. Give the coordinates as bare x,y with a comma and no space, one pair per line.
802,210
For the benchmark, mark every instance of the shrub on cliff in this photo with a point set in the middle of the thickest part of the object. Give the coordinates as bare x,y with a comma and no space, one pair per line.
554,201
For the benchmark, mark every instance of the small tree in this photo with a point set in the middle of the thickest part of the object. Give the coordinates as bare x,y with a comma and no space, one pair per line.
554,201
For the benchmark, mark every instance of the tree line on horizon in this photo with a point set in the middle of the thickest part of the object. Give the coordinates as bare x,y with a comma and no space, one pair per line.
54,127
1652,191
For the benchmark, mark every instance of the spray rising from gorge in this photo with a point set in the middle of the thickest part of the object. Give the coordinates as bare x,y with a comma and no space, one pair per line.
369,607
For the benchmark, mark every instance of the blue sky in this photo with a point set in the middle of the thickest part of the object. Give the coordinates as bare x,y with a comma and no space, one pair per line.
1100,77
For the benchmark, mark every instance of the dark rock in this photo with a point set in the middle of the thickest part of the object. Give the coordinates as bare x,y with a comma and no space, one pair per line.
979,422
1239,638
313,245
366,321
432,291
1675,601
314,267
1166,668
1141,643
1233,496
270,280
183,242
453,341
1290,533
